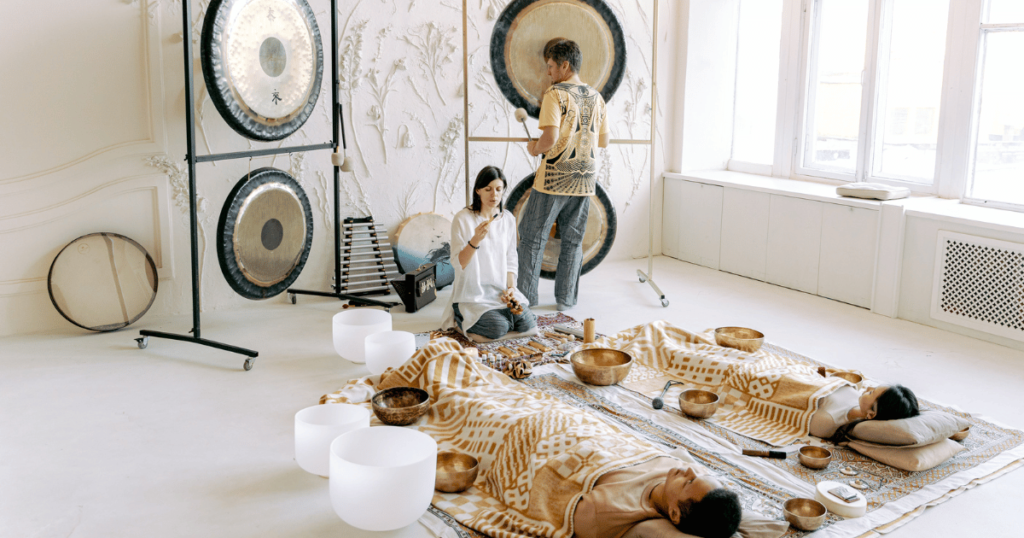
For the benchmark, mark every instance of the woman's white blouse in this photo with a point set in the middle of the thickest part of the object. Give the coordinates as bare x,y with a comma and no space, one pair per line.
477,287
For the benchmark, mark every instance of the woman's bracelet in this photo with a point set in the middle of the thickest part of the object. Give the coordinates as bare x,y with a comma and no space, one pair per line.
470,243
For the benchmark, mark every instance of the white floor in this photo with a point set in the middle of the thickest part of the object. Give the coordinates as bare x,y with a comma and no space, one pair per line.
101,439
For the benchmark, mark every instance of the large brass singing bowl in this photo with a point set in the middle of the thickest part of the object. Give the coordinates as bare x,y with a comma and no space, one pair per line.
400,406
740,338
455,472
805,514
601,366
815,457
698,403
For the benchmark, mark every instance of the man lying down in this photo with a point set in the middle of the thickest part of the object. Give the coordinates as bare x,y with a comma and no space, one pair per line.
552,470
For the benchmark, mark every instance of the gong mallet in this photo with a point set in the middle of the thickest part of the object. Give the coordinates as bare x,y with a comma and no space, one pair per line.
659,402
521,118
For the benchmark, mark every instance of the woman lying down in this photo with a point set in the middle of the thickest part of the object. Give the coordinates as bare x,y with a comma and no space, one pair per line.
549,469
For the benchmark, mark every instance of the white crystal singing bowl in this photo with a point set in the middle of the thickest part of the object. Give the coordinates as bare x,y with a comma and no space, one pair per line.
382,478
388,349
351,327
316,427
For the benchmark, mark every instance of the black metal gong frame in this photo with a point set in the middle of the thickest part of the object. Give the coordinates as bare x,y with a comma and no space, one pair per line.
190,156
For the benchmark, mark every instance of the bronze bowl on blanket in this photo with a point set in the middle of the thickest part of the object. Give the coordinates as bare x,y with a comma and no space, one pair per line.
849,376
698,403
455,472
961,435
815,457
400,406
601,366
739,338
805,514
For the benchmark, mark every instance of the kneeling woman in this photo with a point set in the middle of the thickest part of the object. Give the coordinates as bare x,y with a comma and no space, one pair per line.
486,265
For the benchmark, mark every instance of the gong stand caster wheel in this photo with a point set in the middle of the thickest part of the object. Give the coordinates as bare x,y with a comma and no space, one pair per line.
248,363
664,302
292,298
642,279
143,342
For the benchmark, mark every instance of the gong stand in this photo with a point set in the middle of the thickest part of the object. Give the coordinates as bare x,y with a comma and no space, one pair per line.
647,277
190,127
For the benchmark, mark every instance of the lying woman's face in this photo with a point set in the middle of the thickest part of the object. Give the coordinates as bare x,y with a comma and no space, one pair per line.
868,399
491,194
683,487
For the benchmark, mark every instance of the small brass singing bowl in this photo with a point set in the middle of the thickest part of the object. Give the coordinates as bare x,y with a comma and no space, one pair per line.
849,376
601,366
455,472
815,457
805,514
962,434
400,406
739,338
698,403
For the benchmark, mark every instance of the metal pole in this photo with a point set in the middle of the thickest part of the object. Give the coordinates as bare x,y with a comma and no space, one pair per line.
338,128
190,156
465,97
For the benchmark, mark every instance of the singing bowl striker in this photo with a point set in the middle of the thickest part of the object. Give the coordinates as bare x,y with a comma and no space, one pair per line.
698,403
601,366
739,338
805,514
815,457
962,434
455,472
400,406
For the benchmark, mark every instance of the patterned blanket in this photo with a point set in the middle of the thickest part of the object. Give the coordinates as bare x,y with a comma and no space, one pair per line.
765,396
538,456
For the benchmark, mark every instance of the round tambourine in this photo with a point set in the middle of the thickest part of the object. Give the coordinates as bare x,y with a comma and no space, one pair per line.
102,281
264,234
525,26
602,224
263,63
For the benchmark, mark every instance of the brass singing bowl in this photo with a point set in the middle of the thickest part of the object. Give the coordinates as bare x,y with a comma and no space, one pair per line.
601,366
849,376
805,514
698,403
455,472
962,434
400,406
815,457
739,338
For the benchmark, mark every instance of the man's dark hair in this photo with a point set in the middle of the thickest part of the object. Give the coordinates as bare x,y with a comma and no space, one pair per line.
717,515
895,403
483,179
564,50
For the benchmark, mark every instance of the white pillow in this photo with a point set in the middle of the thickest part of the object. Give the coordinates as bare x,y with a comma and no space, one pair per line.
875,191
752,525
910,458
924,429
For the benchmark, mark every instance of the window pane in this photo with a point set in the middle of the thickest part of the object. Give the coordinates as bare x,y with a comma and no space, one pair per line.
757,81
834,95
910,90
999,154
1004,11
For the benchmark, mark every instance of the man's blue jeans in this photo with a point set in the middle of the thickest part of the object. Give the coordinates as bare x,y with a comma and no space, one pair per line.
497,323
541,212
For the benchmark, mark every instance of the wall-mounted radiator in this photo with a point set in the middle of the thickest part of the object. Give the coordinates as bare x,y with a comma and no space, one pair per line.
979,284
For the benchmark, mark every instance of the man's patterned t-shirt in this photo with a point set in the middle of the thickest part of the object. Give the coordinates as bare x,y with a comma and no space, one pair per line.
579,112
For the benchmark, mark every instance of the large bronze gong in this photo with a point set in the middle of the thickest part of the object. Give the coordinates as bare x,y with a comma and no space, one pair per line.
597,240
263,63
525,26
264,233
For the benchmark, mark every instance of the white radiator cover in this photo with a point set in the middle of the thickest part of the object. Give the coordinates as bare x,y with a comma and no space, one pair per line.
979,284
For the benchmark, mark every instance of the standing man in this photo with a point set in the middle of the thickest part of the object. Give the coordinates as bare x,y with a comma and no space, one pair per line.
575,123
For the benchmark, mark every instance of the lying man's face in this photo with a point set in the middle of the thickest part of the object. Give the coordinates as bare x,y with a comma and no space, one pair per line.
683,488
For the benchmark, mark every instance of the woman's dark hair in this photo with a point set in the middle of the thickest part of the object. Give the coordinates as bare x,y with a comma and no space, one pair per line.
716,515
483,179
895,403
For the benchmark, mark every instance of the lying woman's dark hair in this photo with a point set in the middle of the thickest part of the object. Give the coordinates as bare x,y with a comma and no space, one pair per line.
483,179
717,515
896,403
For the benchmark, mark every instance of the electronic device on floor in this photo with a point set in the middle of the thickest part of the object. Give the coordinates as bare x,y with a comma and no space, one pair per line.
418,287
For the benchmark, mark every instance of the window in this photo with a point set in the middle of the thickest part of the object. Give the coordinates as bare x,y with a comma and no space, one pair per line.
997,171
757,81
874,88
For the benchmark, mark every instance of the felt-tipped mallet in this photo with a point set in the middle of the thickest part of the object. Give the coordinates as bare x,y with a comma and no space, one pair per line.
521,118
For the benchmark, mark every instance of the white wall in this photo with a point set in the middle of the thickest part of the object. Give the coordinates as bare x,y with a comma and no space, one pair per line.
94,134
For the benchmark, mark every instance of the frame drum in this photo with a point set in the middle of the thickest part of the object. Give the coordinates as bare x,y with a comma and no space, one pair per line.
264,233
602,224
525,26
263,63
425,238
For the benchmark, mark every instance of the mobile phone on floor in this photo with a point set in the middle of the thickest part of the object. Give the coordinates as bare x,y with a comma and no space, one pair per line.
844,493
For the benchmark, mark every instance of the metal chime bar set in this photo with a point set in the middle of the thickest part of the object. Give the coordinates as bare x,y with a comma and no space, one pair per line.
367,261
